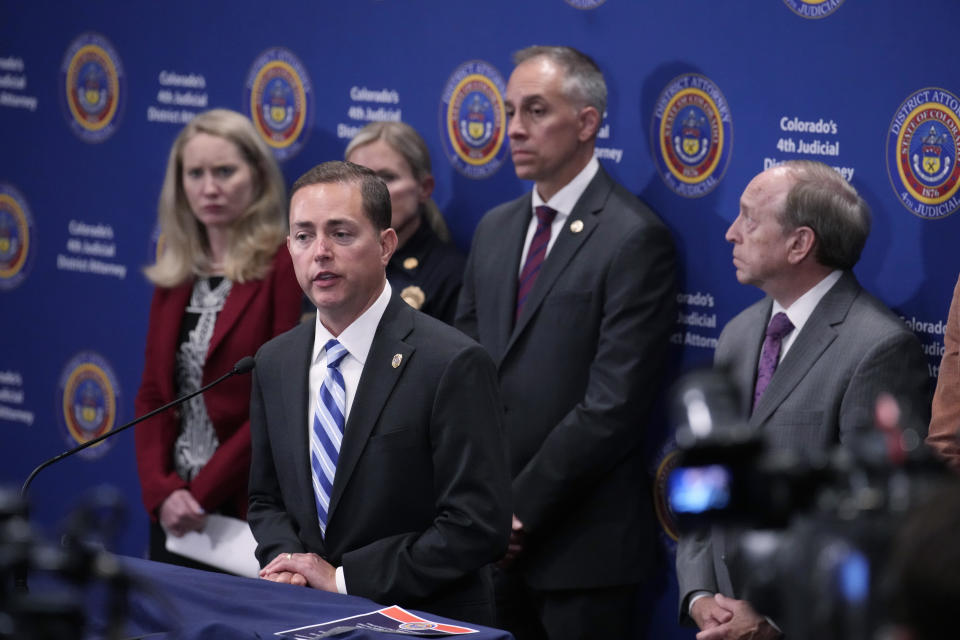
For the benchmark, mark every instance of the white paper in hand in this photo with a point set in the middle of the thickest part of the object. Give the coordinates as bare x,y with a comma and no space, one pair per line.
225,543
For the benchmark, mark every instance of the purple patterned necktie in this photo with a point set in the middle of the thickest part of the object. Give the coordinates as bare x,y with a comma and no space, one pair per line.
779,327
535,255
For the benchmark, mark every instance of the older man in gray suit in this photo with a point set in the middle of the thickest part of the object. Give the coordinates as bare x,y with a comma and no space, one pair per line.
809,359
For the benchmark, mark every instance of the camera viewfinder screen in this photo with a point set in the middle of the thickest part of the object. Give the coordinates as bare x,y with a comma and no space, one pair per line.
700,489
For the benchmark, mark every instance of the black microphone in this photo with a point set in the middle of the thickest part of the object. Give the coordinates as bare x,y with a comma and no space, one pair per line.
244,365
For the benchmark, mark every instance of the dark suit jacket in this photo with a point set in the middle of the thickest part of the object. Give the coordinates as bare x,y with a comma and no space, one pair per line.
433,268
421,494
254,312
578,373
851,348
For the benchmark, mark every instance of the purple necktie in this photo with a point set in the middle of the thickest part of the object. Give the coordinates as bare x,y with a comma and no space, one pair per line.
535,255
779,326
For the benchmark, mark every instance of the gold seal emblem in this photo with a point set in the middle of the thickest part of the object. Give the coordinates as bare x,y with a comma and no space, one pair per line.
410,263
576,226
397,359
413,295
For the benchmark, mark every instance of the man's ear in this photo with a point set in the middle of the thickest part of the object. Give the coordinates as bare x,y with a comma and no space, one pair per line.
802,242
588,121
388,244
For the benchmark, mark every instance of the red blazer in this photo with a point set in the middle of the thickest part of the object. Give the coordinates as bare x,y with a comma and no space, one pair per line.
254,312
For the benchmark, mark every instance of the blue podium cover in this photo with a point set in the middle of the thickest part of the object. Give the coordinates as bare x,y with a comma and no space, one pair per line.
166,601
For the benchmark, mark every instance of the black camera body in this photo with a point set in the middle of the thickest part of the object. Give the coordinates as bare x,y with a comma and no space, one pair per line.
807,533
56,607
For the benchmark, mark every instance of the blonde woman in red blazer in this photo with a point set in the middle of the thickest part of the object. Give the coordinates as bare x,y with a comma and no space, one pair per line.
224,286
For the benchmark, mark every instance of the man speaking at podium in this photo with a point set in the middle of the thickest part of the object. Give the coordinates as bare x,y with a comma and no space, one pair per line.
378,466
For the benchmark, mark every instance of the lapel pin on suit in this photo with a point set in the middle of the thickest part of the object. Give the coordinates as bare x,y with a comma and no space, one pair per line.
397,359
576,226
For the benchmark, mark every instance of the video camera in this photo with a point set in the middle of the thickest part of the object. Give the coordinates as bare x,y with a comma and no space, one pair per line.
58,609
808,533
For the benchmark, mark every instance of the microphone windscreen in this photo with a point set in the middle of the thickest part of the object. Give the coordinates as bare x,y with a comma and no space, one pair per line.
244,365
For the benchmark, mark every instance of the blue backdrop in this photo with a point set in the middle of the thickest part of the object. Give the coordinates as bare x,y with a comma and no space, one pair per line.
703,95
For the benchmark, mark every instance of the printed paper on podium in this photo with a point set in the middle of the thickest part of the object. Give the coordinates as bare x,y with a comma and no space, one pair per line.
387,620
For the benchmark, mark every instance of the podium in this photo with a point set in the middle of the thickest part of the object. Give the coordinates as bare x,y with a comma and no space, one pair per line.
171,602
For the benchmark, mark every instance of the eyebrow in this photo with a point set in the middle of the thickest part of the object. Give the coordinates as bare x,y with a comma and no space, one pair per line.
218,163
332,222
526,100
534,98
336,222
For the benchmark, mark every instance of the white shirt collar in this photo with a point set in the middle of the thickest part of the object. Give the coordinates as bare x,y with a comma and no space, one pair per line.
803,307
358,336
564,200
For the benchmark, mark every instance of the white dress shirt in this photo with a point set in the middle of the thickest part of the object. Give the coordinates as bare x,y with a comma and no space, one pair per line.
356,339
802,308
562,202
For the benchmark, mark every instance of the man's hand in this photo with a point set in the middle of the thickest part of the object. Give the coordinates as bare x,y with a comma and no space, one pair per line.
301,569
743,624
285,577
180,513
708,614
515,545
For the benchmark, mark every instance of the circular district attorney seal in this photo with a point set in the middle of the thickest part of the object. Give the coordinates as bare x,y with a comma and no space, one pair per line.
280,98
88,396
92,87
16,238
813,9
692,135
473,123
585,4
923,146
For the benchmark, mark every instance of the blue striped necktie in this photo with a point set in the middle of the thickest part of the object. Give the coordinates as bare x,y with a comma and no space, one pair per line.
328,419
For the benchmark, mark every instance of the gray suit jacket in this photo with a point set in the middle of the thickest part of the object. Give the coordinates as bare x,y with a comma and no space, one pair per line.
851,348
578,373
420,500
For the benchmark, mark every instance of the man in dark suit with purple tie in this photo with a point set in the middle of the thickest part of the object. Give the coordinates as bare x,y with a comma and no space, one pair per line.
571,290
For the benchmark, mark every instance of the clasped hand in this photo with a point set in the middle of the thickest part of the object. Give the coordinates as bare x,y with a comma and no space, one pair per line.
723,618
301,569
